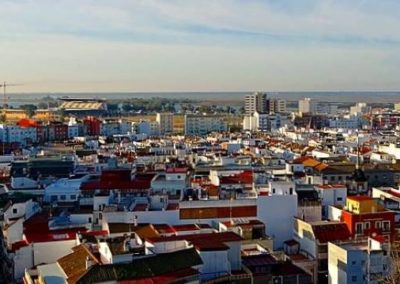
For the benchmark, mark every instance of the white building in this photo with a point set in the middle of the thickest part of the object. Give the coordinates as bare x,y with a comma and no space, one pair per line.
149,128
262,122
255,102
359,109
276,105
65,190
166,122
334,195
345,122
308,105
357,262
204,124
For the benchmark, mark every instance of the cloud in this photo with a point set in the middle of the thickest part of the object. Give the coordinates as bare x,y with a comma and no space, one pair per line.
154,45
321,20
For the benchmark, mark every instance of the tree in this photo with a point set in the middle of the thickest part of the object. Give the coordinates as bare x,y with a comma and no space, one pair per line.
61,112
29,109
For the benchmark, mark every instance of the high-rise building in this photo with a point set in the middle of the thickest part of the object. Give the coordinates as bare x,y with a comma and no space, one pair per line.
255,102
359,109
276,105
308,105
166,122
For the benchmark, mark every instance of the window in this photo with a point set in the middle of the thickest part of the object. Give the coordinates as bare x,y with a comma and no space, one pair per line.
339,199
90,220
63,197
15,210
359,227
353,278
367,225
73,197
386,225
378,224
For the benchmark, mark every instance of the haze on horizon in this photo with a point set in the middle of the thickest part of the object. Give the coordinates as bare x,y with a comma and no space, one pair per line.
188,45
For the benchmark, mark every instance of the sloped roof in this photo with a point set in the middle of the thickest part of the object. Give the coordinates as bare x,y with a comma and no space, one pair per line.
74,264
143,268
332,231
204,241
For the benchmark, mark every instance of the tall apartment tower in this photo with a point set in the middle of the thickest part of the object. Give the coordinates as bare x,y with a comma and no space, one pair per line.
255,102
308,105
166,122
276,105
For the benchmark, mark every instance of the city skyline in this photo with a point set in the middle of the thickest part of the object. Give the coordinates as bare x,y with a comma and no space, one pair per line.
91,46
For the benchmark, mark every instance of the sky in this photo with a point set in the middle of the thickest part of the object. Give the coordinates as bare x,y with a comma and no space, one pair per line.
198,45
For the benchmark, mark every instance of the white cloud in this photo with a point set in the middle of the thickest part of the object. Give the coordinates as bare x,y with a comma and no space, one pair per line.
154,45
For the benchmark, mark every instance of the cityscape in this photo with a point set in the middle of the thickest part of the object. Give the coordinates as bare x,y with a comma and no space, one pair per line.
247,142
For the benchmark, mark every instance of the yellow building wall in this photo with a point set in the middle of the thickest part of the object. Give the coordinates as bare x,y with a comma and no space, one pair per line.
363,206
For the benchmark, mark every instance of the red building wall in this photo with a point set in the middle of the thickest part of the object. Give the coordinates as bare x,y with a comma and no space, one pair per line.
92,125
351,219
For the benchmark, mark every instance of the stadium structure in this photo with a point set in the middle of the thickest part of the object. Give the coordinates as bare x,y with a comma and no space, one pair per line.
83,107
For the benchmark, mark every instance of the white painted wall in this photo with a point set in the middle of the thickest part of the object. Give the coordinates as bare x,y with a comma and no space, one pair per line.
277,213
23,258
215,263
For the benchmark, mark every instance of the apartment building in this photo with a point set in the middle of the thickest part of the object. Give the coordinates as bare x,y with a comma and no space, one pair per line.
204,124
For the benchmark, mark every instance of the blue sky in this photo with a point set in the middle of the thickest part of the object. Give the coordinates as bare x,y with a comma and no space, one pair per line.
188,45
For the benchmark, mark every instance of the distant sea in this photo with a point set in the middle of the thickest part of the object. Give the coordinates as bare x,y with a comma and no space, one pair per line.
16,99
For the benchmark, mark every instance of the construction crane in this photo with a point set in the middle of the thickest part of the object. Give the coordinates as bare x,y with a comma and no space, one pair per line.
5,98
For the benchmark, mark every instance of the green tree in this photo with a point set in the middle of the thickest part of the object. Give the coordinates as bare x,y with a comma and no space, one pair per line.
29,109
62,113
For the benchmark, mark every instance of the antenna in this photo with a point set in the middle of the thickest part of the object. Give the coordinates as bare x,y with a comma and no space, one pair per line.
358,152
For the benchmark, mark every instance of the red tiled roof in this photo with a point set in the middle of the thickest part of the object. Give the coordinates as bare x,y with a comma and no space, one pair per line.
245,177
176,170
204,242
138,184
36,230
188,227
163,228
302,159
331,232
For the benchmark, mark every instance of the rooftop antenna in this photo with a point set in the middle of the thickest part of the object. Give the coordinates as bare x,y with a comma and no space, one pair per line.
358,152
